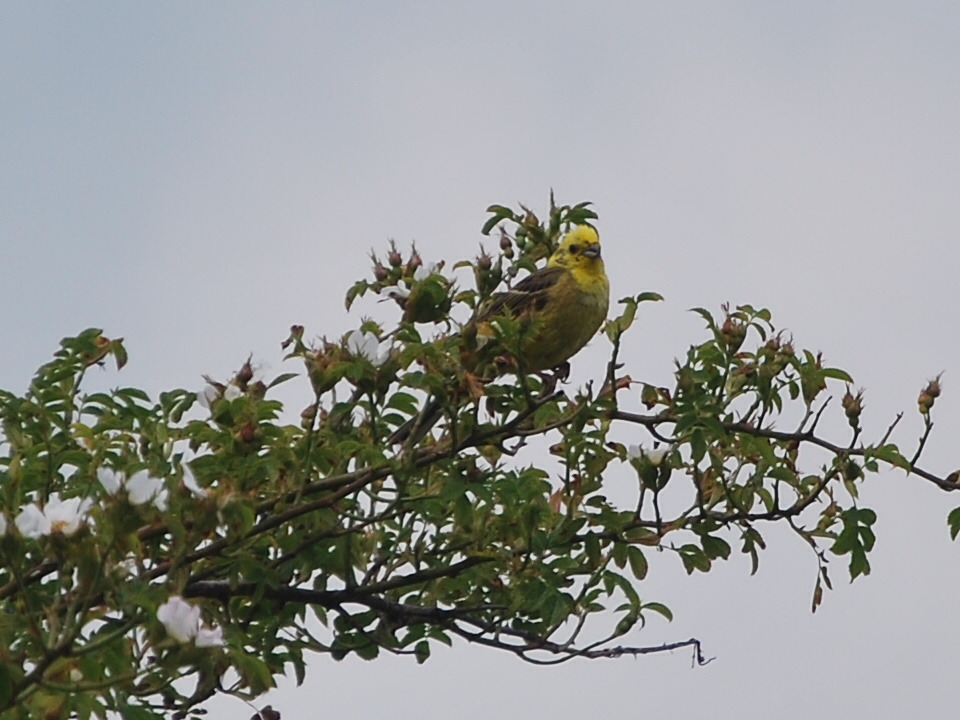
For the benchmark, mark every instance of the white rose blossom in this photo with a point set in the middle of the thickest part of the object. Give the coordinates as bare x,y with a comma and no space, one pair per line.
190,483
210,637
181,620
208,396
655,457
32,523
141,487
424,271
57,516
366,345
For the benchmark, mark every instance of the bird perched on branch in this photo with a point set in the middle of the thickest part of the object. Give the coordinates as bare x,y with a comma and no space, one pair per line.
560,306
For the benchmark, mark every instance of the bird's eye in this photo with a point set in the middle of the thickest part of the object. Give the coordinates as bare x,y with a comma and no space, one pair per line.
574,249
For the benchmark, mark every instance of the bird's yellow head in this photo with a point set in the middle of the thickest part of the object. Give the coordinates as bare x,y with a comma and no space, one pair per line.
579,250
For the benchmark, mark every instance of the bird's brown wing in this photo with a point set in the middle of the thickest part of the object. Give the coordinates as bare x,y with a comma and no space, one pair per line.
530,294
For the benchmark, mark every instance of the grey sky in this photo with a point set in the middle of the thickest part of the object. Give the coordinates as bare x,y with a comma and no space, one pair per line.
198,177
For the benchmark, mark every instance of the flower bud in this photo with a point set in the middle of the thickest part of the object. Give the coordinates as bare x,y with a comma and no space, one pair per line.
394,257
244,375
733,334
414,262
506,245
308,416
852,407
380,273
247,432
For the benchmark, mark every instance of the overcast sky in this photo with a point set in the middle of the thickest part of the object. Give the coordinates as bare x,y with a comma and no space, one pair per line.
198,177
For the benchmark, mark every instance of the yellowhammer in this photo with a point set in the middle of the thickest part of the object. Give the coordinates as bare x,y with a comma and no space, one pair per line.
561,306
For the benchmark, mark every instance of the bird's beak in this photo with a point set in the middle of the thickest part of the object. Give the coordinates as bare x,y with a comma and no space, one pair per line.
592,250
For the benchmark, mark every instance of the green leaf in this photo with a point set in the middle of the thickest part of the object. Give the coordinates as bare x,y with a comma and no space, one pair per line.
648,297
659,608
358,289
836,374
119,353
715,547
6,683
422,652
638,562
953,520
282,379
698,445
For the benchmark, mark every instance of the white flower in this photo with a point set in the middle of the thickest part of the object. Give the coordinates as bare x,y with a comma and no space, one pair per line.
424,271
31,522
397,292
110,479
210,637
3,525
190,483
366,345
60,516
655,457
208,396
160,500
143,488
179,618
232,392
66,516
127,566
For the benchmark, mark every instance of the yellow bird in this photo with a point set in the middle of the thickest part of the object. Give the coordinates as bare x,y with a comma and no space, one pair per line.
565,303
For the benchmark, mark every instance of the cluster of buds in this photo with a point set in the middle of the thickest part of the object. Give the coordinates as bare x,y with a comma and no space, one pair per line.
487,274
241,384
775,356
852,407
927,396
395,270
419,290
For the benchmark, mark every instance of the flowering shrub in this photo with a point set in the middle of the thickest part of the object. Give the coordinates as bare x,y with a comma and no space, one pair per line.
156,551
